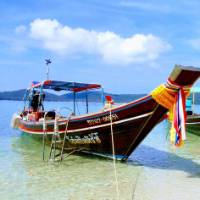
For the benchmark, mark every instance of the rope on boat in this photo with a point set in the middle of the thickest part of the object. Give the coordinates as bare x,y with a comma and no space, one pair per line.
113,154
141,129
64,138
73,151
55,135
44,135
44,140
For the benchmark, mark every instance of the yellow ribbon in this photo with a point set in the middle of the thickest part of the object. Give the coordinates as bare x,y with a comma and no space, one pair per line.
165,96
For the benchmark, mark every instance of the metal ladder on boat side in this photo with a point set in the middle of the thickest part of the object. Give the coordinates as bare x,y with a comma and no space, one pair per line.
54,136
56,140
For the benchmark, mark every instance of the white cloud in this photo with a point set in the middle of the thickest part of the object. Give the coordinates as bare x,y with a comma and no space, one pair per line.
110,46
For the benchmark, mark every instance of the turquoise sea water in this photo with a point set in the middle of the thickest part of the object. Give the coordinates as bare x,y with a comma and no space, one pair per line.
155,171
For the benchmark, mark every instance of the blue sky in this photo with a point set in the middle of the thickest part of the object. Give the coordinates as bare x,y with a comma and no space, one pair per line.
128,46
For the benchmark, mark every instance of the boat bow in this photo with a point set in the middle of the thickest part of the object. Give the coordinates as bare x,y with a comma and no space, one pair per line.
181,79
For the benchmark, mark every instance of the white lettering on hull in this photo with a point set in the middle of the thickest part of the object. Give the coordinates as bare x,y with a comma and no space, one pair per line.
100,120
92,138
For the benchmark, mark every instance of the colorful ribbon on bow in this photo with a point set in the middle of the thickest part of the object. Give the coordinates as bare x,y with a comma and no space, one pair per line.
173,96
177,132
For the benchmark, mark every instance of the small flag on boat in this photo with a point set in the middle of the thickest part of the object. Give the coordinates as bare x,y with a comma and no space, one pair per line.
109,99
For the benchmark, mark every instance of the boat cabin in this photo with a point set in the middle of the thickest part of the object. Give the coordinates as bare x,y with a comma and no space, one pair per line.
35,97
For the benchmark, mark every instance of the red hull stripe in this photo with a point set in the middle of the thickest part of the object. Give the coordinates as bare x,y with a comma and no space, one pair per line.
25,129
116,109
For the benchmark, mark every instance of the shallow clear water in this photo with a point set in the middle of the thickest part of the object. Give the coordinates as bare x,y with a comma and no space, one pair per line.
155,171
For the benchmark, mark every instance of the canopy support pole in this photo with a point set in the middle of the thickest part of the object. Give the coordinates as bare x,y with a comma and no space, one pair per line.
103,97
74,102
86,101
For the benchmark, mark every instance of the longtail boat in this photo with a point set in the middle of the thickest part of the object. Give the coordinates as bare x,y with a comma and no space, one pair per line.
193,124
193,118
91,133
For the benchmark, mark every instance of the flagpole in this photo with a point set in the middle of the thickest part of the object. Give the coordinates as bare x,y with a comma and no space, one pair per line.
48,61
47,72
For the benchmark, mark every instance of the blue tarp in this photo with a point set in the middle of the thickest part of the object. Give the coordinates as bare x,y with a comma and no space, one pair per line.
62,85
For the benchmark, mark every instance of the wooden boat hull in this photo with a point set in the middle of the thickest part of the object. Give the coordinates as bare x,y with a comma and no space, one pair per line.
92,133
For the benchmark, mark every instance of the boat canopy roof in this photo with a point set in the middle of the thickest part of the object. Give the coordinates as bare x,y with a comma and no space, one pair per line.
62,85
